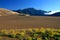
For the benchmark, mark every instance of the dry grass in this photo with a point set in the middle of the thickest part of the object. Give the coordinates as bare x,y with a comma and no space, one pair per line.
17,22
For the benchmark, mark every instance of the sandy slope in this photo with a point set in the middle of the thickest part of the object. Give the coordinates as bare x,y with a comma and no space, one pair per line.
6,12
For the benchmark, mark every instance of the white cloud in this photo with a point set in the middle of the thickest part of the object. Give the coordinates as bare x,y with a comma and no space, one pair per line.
52,12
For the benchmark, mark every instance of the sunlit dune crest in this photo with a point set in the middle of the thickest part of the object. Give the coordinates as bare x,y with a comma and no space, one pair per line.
6,12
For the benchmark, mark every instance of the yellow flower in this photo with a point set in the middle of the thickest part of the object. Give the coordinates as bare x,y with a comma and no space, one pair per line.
22,33
39,38
59,30
30,30
12,31
29,38
48,29
36,29
42,30
4,31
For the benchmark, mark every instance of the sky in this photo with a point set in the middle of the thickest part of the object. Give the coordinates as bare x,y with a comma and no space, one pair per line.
48,5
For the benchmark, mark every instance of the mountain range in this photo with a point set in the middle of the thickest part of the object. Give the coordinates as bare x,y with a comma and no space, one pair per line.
31,11
35,12
27,12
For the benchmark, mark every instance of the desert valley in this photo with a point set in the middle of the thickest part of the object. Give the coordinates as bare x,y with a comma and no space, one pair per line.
17,26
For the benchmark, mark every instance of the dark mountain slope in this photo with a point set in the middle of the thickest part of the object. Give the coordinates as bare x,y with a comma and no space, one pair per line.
31,11
35,12
56,14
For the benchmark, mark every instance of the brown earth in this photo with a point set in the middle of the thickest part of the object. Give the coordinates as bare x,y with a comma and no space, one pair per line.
18,22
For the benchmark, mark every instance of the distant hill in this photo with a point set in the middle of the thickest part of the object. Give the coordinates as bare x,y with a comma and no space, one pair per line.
6,12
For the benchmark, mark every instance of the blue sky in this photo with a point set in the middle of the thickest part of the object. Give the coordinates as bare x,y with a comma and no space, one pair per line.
37,4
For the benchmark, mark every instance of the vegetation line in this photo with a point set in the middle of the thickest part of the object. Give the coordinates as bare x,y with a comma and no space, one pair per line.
32,34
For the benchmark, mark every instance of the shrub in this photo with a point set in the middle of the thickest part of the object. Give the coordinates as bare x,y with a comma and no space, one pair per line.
12,36
39,38
32,34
